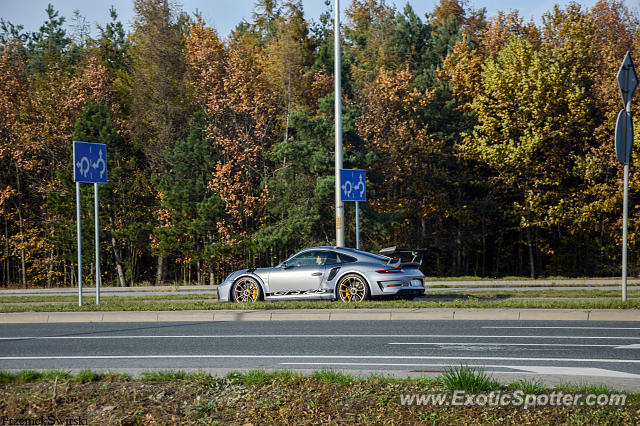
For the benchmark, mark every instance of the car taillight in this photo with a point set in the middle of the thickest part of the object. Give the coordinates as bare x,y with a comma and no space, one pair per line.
390,271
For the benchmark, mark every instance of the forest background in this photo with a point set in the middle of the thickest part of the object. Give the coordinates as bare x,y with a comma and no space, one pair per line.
487,140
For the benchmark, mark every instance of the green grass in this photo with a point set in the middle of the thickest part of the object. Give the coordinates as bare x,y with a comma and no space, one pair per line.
537,293
28,376
529,386
472,302
582,388
261,377
460,377
467,378
512,278
198,298
282,397
474,278
163,375
170,375
88,297
86,376
497,285
333,377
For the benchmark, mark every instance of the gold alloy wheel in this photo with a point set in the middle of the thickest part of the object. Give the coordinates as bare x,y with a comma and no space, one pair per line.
352,289
246,290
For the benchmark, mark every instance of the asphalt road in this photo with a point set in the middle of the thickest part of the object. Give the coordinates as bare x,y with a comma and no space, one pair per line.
566,351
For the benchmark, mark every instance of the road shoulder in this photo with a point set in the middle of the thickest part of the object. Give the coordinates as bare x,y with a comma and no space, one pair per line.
416,314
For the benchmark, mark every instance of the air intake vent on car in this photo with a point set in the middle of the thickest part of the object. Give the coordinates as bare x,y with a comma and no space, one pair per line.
332,273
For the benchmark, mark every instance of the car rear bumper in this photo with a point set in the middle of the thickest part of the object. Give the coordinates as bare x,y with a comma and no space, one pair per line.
413,292
402,292
407,286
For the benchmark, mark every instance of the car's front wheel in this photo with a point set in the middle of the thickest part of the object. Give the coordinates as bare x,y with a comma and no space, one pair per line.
246,289
353,289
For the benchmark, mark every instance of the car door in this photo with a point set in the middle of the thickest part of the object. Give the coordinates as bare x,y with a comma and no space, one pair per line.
303,272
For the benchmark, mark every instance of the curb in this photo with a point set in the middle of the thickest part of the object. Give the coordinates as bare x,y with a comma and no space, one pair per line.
327,315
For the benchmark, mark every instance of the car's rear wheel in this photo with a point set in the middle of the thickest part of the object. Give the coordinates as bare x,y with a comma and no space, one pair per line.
246,289
353,289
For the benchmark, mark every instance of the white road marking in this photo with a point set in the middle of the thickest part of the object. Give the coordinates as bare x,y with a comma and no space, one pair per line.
508,344
529,369
577,371
206,356
333,336
636,346
566,327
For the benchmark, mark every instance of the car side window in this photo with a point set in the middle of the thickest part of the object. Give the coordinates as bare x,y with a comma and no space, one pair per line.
309,258
344,258
332,258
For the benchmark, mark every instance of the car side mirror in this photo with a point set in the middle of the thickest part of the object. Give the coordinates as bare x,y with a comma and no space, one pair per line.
283,265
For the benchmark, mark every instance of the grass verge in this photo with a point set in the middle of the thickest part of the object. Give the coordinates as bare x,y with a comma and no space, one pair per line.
501,294
137,298
467,378
280,397
492,294
471,302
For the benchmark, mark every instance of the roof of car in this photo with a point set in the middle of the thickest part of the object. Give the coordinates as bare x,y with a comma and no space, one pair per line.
347,249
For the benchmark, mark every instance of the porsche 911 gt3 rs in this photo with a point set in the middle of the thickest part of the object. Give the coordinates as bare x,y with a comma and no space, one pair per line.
334,273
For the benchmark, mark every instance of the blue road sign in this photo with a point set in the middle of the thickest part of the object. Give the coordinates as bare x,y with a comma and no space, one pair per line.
624,137
89,162
353,185
627,79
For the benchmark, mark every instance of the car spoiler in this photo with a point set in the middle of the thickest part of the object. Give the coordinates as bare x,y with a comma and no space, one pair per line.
416,253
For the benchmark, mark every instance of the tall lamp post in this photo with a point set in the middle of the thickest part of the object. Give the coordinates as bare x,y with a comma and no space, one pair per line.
338,127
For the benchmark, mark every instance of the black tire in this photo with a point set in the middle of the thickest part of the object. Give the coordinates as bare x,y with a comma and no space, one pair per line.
352,288
246,289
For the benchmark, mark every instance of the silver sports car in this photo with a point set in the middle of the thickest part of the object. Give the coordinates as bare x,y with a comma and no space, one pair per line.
329,273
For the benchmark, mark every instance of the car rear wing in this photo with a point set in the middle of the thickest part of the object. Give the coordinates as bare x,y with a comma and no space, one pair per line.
395,255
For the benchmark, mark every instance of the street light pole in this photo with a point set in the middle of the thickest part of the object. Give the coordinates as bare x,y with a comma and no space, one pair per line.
338,126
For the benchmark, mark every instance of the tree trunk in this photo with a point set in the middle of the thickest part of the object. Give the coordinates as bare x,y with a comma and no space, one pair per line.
531,260
160,271
520,258
116,252
484,249
50,270
6,251
23,268
459,252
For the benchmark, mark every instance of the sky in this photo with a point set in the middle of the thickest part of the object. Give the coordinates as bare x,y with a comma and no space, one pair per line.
224,15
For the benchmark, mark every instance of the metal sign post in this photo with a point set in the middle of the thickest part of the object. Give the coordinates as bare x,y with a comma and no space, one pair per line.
628,82
89,166
353,187
338,126
79,230
357,226
97,232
